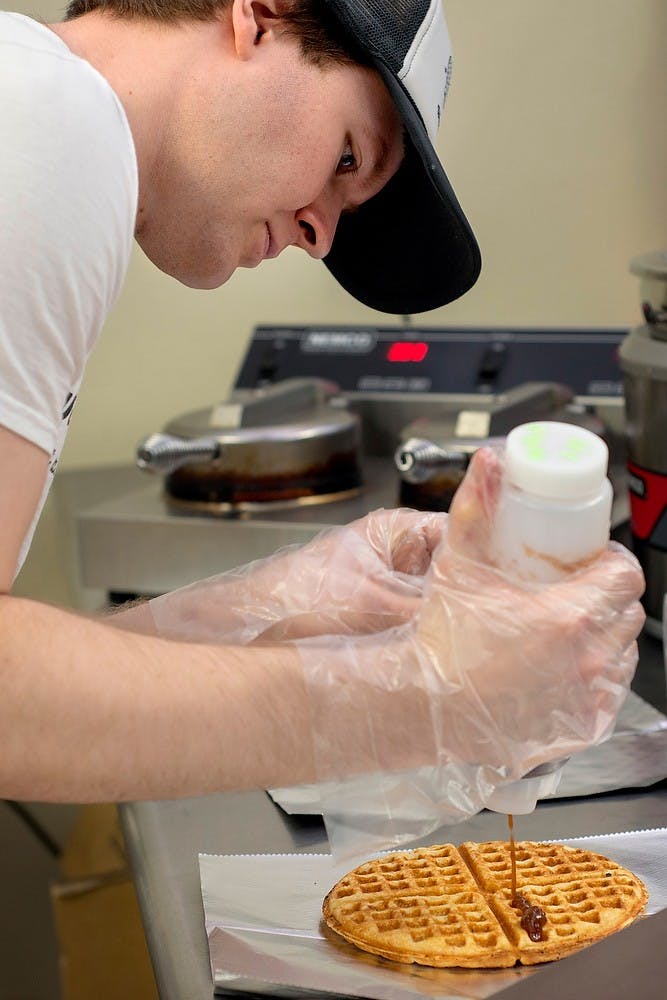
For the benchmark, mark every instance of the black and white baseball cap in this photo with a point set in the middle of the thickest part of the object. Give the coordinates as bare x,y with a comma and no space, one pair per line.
410,248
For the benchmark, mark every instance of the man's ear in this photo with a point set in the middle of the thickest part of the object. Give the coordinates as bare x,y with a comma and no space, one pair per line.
252,21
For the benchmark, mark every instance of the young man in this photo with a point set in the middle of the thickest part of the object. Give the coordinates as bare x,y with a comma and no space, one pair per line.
218,134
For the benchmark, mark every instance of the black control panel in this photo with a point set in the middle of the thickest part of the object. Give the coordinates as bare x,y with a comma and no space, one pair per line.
457,360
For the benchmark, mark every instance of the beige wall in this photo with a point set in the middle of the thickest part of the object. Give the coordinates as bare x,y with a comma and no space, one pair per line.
554,139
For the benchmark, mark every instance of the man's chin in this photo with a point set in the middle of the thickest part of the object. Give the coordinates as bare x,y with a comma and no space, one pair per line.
196,278
201,283
192,277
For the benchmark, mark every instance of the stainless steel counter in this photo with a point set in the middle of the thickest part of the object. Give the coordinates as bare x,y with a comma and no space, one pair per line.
164,840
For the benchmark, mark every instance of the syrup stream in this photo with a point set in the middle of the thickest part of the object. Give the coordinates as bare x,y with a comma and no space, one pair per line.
533,918
510,823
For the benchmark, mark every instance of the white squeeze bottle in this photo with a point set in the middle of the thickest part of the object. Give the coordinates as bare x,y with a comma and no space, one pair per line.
554,515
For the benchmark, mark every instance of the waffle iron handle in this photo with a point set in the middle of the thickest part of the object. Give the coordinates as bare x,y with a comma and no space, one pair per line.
417,459
164,453
420,459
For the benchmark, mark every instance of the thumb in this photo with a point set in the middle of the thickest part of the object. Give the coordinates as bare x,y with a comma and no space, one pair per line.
472,512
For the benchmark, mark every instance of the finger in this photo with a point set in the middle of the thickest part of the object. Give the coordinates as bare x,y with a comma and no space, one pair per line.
404,539
629,625
418,536
611,647
473,508
334,623
614,579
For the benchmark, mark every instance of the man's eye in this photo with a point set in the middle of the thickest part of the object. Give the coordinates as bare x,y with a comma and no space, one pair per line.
348,162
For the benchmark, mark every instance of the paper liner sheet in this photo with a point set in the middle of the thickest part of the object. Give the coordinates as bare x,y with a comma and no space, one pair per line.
266,935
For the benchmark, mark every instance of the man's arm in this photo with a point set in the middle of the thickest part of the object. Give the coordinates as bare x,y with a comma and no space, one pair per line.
22,473
93,713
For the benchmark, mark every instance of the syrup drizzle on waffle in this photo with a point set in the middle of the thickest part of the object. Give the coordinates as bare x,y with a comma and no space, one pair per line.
533,918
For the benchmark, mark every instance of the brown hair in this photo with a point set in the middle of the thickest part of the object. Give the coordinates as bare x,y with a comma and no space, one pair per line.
322,38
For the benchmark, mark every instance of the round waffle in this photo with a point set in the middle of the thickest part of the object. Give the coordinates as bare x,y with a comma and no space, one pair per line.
443,906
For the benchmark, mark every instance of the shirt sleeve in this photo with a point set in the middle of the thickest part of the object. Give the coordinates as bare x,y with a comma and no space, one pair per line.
68,191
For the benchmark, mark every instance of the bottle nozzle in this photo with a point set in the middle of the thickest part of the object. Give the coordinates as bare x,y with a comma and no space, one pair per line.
521,797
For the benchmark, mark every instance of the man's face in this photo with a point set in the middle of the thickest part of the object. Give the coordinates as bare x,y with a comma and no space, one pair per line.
270,162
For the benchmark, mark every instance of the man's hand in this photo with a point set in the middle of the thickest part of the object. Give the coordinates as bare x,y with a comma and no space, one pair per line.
362,578
529,672
489,672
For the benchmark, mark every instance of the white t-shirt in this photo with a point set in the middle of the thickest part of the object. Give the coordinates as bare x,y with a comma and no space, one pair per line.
68,203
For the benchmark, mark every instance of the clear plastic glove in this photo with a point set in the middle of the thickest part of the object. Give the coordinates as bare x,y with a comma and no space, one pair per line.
532,672
491,678
361,578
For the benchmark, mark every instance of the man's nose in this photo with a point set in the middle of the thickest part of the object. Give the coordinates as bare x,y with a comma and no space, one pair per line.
316,224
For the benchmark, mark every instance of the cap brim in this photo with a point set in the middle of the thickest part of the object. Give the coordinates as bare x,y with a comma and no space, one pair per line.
410,248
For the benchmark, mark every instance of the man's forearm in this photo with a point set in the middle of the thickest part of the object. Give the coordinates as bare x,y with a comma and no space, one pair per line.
94,713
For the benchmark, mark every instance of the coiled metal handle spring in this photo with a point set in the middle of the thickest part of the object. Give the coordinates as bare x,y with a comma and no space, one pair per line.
417,459
166,453
654,317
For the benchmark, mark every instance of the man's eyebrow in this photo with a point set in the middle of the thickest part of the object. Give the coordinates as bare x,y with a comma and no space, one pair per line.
380,165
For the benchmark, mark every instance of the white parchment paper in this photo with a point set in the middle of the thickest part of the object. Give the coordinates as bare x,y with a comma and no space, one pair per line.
263,920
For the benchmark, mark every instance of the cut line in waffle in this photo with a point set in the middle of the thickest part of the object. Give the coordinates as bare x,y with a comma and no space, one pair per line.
447,907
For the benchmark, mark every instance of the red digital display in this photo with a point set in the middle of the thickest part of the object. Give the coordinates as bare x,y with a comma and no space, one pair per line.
407,350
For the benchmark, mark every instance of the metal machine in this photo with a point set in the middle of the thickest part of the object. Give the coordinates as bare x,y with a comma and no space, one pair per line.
643,359
327,423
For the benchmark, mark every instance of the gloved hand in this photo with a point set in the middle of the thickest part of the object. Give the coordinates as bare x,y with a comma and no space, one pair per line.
361,578
531,672
490,674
